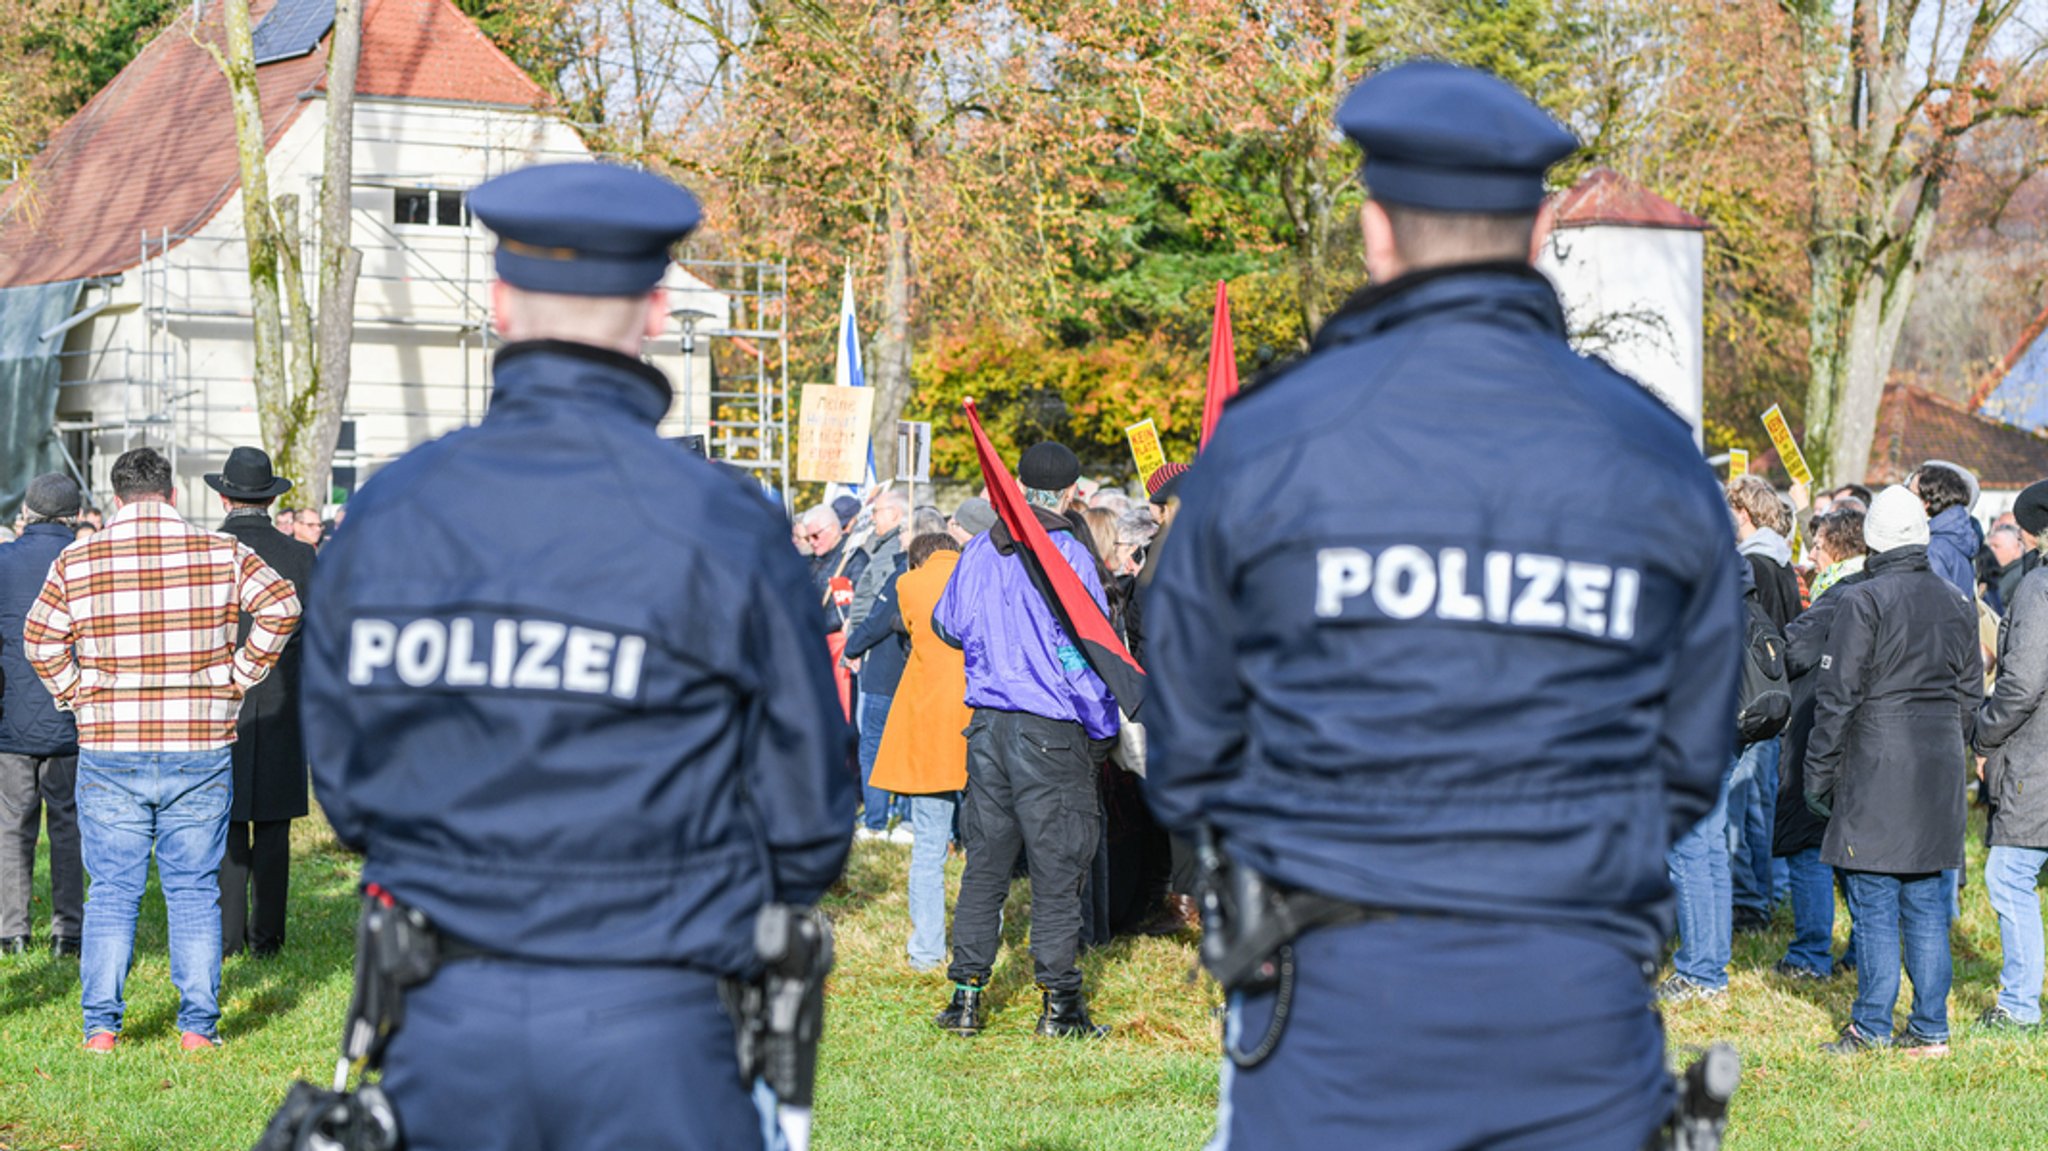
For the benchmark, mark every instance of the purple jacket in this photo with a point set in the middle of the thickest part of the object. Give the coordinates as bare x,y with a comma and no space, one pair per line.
1019,658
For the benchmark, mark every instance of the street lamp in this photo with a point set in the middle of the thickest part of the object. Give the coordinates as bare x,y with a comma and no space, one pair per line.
689,318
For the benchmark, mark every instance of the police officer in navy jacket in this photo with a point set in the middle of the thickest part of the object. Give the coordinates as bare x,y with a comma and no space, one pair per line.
1447,628
593,764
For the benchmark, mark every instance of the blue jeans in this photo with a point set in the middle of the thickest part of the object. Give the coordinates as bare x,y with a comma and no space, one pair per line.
1813,912
1894,911
2010,876
1752,808
877,805
1706,919
176,804
931,822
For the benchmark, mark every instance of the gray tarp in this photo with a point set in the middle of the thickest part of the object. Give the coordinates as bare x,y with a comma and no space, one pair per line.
28,385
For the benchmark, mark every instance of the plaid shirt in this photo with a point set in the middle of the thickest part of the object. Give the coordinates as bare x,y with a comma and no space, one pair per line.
135,632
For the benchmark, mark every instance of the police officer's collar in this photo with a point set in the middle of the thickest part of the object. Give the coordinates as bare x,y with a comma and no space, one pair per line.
1510,283
560,368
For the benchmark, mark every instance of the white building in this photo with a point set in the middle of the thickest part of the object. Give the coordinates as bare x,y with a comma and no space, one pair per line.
133,215
1627,264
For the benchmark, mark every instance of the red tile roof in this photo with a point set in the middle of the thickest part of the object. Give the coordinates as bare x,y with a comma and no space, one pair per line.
154,150
1914,426
428,50
1604,196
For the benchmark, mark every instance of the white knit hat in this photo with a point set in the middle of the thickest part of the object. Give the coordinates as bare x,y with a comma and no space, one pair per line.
1896,519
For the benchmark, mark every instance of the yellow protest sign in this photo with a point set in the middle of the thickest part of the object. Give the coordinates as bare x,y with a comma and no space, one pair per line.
1738,462
1788,448
832,434
1145,448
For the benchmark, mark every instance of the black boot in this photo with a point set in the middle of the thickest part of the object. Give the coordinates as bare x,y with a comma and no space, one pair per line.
963,1016
1066,1017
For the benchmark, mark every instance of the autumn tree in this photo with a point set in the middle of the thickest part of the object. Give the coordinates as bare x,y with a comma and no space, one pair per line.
1889,91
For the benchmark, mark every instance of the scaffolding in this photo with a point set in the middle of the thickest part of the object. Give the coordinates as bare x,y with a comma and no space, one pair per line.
431,284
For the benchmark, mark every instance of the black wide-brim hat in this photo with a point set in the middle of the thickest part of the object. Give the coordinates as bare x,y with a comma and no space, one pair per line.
248,476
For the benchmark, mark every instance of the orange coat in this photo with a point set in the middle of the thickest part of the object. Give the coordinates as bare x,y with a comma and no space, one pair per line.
923,751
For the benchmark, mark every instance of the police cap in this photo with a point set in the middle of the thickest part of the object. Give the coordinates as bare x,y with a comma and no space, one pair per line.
1446,138
584,229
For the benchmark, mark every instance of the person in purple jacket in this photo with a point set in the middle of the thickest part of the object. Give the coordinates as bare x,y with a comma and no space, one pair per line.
1043,720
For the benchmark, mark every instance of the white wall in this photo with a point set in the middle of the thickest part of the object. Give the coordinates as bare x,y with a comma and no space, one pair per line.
420,361
1633,297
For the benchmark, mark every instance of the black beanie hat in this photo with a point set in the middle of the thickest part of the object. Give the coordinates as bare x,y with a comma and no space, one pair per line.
1049,467
2030,511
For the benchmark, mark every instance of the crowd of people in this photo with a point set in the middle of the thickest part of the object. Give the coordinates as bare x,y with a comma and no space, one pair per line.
935,642
1914,648
149,710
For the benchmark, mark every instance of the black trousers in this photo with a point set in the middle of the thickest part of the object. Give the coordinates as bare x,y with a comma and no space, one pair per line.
256,869
1030,788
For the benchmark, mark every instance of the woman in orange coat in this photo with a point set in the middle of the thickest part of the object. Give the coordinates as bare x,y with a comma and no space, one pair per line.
924,750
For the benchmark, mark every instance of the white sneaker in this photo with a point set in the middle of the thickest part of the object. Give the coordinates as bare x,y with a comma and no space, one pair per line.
864,833
901,833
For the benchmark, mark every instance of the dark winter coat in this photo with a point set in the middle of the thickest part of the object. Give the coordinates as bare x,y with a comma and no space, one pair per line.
1777,585
2011,728
270,744
1900,680
1798,827
30,723
880,642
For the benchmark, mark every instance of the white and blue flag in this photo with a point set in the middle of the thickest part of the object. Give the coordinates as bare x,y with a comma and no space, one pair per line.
848,373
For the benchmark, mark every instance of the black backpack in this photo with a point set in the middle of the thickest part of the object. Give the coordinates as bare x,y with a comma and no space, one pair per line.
1765,705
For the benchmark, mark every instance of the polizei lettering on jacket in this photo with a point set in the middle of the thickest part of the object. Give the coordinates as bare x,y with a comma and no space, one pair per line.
1513,589
495,653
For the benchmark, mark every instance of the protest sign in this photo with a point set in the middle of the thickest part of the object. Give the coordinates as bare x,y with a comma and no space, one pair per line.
1145,448
832,434
1788,448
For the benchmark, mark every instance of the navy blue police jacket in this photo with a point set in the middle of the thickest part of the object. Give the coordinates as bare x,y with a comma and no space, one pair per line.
1448,620
30,723
566,685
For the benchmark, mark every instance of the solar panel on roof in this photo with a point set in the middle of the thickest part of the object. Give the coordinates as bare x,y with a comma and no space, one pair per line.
292,29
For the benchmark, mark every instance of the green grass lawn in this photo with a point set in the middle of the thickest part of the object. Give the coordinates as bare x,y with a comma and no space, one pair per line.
889,1080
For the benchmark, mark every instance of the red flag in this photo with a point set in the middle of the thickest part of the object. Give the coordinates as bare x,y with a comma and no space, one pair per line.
1222,365
1064,592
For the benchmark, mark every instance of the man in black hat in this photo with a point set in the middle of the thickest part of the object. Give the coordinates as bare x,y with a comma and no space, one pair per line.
38,742
270,748
1043,721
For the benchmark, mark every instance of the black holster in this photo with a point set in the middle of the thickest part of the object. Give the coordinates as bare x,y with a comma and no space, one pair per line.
1248,920
779,1016
396,948
1249,925
1704,1089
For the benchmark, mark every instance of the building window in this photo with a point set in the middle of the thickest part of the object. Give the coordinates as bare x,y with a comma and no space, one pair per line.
432,206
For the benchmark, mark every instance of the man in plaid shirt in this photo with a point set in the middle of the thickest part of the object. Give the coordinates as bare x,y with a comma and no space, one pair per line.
134,632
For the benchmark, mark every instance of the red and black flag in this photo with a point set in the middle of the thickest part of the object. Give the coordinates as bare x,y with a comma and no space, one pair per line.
1063,590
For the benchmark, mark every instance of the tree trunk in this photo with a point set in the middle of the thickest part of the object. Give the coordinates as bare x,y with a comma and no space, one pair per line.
339,260
238,64
892,346
891,364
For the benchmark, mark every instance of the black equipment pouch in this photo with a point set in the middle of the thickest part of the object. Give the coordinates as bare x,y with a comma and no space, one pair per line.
780,1015
396,948
1249,925
1704,1090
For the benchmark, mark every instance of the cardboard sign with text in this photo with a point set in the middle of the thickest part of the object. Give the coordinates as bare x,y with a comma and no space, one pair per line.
1738,462
832,434
1788,448
1145,448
